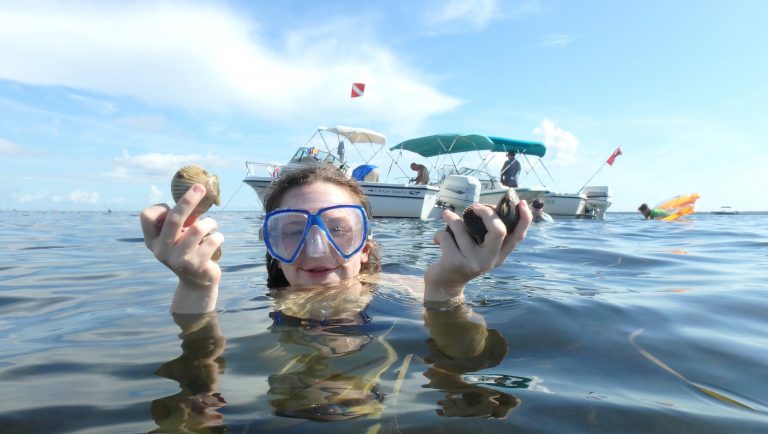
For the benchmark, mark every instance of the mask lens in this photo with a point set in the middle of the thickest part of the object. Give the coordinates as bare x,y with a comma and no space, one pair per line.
284,233
346,228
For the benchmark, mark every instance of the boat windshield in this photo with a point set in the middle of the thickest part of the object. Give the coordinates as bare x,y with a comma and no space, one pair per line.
312,154
448,170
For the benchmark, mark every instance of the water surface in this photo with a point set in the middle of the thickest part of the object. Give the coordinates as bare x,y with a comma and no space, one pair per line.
621,325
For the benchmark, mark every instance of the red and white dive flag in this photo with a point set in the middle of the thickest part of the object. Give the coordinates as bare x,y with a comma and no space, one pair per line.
613,156
358,89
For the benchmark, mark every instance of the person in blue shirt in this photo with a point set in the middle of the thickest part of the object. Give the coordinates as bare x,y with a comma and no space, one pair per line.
510,171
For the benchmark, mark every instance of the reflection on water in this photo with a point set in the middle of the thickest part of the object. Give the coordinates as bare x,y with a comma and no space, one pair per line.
329,362
588,327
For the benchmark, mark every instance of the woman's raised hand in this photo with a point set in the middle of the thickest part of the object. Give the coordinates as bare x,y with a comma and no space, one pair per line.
185,244
463,260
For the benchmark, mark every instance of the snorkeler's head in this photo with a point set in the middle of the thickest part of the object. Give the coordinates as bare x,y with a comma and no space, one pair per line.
320,173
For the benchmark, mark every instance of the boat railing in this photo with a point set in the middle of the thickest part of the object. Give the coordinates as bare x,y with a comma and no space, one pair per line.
254,168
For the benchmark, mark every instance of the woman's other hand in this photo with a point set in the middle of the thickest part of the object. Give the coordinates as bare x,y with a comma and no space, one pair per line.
463,260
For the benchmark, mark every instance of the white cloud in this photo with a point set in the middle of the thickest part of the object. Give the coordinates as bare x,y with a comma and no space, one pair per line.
556,40
207,56
160,165
98,104
78,196
31,198
150,123
8,148
155,195
11,149
559,142
477,13
459,16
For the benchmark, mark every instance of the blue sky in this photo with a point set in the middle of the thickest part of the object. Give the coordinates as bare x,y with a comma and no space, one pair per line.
101,101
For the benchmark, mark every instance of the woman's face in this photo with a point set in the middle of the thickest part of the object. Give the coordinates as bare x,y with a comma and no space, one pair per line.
328,268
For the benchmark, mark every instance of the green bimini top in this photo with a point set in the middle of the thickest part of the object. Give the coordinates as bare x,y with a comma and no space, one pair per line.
441,144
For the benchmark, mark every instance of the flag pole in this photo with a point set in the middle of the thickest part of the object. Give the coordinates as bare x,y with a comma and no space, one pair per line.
593,175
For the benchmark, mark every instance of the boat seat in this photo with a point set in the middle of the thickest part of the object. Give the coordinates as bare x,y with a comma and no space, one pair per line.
366,172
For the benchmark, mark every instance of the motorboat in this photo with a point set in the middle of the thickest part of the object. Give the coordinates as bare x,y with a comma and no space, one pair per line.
590,202
330,145
450,150
725,210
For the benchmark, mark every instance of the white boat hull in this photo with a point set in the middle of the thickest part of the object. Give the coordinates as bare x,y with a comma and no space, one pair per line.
528,194
387,200
564,205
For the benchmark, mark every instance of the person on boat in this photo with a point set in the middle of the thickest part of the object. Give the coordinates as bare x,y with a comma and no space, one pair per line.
341,152
422,174
510,171
537,208
319,246
652,213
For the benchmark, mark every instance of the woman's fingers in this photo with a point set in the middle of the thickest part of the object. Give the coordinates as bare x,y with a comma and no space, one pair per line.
177,238
518,234
210,243
460,235
181,213
152,219
198,233
496,229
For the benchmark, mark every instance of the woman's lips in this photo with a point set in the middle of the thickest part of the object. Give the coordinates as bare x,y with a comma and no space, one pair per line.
318,271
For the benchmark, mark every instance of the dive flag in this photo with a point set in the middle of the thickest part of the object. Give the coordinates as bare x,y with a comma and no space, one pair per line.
358,89
613,156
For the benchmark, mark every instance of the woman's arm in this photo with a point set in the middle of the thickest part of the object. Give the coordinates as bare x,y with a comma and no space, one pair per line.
185,245
463,260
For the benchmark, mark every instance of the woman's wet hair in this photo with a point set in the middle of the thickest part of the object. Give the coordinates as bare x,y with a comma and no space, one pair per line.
305,176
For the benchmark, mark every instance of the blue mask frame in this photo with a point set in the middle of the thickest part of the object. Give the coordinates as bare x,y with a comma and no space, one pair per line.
313,219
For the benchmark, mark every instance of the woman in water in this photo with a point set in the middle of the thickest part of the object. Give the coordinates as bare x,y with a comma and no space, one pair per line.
320,259
316,231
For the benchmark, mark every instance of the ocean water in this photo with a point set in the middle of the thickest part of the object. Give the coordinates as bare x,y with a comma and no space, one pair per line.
621,325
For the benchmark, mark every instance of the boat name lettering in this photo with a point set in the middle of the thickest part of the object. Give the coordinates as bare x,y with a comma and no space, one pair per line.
392,191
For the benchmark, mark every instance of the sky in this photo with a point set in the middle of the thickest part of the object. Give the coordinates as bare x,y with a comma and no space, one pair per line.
102,101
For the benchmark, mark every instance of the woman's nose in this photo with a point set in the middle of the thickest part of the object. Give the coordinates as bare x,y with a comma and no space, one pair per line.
316,244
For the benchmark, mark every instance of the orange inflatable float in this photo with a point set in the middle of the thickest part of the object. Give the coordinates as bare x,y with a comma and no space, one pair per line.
679,206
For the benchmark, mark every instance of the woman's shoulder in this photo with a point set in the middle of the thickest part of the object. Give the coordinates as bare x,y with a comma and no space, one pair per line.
406,283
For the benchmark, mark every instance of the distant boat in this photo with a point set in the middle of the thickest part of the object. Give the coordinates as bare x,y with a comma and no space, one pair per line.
725,210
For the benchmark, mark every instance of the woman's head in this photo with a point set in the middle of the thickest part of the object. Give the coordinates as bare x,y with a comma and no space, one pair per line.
314,188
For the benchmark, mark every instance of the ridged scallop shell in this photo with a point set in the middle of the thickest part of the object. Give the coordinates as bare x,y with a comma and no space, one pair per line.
506,209
193,174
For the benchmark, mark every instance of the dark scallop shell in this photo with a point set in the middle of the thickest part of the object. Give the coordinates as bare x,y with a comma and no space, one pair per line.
506,209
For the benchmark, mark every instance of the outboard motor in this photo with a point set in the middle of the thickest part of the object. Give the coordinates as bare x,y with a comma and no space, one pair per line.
598,199
458,192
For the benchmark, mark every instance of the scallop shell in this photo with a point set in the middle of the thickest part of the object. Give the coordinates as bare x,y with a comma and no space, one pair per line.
193,174
506,209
